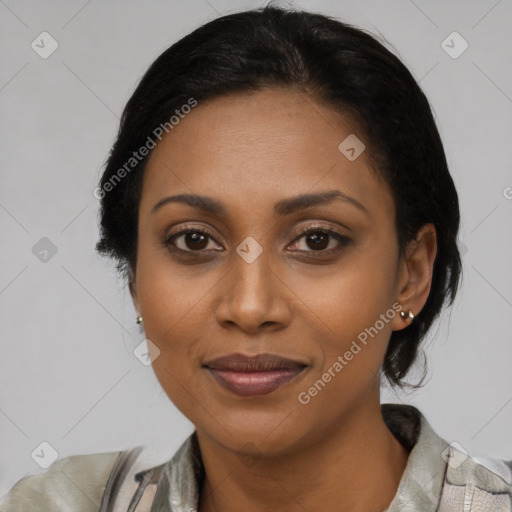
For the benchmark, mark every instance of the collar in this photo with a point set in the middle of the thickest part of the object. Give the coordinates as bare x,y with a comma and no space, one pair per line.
420,487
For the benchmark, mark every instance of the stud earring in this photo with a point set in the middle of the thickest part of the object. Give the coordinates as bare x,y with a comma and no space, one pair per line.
138,320
407,315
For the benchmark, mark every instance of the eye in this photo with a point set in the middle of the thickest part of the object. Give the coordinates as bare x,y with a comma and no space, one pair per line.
192,240
322,240
318,239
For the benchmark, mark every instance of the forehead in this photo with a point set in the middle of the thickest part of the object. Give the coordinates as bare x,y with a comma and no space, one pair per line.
262,145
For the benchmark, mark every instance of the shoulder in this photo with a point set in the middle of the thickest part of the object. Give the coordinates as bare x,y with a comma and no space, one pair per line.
77,482
485,482
442,476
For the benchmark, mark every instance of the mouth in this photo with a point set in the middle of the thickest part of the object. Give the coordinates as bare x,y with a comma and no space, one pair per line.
253,375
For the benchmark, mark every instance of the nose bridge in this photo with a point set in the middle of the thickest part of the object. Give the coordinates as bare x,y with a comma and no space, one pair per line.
250,296
252,276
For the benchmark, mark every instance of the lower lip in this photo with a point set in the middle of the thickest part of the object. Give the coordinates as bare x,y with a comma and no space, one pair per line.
254,383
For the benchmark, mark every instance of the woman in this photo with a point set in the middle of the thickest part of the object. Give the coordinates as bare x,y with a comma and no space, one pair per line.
279,202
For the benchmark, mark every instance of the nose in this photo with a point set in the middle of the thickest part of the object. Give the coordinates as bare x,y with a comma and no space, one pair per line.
253,297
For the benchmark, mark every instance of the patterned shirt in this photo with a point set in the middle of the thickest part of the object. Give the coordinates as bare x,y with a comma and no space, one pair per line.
438,477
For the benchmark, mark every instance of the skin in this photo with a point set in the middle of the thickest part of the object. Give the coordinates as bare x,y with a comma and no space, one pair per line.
272,452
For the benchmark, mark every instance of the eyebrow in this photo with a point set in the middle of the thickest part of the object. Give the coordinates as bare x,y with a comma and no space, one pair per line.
283,207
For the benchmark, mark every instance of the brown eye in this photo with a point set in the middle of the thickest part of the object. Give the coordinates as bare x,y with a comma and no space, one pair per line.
318,241
195,241
189,240
322,240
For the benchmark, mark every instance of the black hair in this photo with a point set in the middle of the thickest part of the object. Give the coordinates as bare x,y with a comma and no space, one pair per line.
336,64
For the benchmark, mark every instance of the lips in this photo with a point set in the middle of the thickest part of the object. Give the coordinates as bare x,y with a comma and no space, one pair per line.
253,375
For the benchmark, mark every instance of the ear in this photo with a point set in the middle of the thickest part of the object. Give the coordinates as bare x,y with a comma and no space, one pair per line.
415,274
133,292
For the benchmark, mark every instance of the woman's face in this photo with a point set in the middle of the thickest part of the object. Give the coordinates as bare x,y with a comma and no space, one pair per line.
250,282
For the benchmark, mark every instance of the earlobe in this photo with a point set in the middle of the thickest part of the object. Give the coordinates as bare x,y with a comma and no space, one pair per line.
415,277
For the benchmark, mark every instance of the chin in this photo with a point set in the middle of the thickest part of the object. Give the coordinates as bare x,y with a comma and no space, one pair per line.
269,433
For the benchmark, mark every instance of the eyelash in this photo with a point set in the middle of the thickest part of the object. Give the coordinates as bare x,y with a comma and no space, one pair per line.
342,239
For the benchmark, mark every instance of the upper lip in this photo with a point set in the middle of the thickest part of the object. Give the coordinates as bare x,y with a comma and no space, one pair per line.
255,363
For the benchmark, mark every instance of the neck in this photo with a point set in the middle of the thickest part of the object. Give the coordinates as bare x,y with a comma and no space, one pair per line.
356,467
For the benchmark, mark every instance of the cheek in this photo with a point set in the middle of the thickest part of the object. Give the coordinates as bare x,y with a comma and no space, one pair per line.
171,294
175,316
177,366
353,312
177,310
353,343
351,295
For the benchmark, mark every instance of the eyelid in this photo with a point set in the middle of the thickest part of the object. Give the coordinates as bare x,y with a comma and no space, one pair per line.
315,225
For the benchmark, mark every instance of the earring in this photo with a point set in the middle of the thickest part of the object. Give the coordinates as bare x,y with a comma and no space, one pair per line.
405,315
138,320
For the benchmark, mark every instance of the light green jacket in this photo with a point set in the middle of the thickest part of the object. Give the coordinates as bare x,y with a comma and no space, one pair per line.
438,477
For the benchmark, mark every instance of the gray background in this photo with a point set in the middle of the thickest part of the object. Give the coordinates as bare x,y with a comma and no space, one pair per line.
68,373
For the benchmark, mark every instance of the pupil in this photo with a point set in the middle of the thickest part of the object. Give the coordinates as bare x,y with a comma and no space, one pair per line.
196,238
318,238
